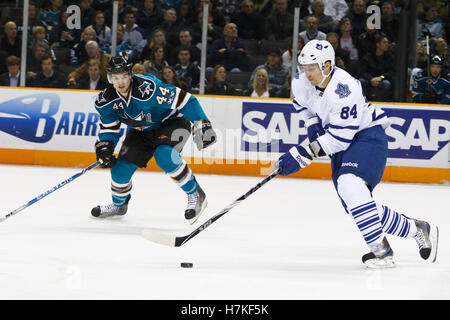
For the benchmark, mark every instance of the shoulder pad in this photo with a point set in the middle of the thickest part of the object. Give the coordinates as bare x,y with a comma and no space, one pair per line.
143,88
106,96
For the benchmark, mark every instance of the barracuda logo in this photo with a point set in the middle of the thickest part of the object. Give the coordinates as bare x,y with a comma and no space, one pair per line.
30,117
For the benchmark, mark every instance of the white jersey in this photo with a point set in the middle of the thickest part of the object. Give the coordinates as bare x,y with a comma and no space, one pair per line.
342,108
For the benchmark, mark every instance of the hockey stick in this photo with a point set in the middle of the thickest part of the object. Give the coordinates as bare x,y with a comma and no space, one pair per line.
174,241
46,193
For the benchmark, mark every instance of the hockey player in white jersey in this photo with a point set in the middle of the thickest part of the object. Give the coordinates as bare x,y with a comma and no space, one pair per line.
343,125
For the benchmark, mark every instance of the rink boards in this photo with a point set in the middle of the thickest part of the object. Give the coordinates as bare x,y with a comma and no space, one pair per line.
60,127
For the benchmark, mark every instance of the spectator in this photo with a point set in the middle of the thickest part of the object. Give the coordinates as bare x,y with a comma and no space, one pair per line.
149,16
186,70
171,26
185,39
138,69
170,77
218,84
230,51
337,9
50,16
439,47
94,81
122,48
366,41
358,17
39,35
389,21
228,8
280,22
78,53
103,32
276,71
214,12
157,62
434,89
134,35
250,23
430,24
377,72
260,87
63,37
48,77
342,57
93,52
87,13
39,50
12,77
286,57
33,21
121,12
158,38
311,32
325,23
214,31
184,13
11,42
347,41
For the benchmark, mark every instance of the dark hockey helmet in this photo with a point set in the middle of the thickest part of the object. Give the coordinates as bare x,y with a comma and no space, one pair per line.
436,59
118,64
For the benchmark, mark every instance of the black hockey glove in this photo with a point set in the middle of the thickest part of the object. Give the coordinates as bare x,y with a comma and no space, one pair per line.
104,150
203,134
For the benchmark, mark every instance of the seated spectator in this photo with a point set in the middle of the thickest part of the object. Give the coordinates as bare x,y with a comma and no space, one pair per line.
434,89
81,72
186,70
78,53
169,76
389,21
280,22
218,84
48,77
366,41
185,39
228,8
149,16
185,12
250,23
12,77
214,31
122,47
63,37
157,62
337,9
377,72
87,13
39,35
33,21
430,24
276,71
260,87
439,47
134,34
325,23
158,38
138,69
94,81
286,57
358,17
11,42
230,51
50,15
347,41
171,26
39,50
342,57
104,36
311,32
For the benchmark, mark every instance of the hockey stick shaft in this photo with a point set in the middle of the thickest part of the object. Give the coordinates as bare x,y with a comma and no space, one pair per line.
179,241
46,193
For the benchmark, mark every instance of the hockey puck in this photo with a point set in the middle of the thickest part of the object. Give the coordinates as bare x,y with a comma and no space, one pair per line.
187,265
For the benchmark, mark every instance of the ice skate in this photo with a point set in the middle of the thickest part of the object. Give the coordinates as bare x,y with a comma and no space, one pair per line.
110,210
382,256
196,204
427,240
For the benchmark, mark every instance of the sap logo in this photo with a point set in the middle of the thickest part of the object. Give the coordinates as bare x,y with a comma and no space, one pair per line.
420,136
30,117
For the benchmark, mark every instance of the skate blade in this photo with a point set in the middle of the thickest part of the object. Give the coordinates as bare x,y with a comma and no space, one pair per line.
192,221
434,235
385,263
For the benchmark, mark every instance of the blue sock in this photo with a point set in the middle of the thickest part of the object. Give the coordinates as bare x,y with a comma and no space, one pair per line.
368,222
170,161
121,184
397,224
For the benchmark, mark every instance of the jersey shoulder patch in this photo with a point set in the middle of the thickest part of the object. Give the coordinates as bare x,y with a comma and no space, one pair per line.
143,88
342,90
106,96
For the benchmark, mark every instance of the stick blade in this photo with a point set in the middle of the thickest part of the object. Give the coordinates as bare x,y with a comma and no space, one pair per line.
159,237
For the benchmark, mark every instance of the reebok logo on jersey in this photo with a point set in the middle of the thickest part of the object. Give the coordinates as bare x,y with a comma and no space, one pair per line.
342,90
350,164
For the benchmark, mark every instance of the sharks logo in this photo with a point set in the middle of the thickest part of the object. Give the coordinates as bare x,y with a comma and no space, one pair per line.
30,117
146,89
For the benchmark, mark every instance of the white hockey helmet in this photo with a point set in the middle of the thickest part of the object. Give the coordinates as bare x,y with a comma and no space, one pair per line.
317,51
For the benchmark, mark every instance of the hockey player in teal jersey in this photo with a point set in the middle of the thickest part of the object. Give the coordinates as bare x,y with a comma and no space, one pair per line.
434,89
159,118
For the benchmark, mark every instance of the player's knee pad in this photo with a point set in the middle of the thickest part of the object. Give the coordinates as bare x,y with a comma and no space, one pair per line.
122,171
352,190
167,158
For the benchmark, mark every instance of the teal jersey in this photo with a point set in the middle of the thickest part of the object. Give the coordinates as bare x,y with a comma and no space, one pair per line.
150,102
440,87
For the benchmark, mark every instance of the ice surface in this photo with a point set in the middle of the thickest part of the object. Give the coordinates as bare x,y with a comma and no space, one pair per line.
289,240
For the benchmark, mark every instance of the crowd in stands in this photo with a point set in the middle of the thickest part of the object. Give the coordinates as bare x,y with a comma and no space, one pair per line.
249,43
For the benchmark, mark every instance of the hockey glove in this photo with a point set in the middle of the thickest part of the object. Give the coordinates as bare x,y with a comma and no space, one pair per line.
295,159
104,150
314,128
203,134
